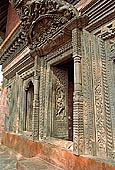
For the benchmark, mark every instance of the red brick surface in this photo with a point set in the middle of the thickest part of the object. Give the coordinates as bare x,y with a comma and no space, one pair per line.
12,20
82,4
57,156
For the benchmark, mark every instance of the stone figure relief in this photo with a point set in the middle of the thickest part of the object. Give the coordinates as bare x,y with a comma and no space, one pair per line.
59,102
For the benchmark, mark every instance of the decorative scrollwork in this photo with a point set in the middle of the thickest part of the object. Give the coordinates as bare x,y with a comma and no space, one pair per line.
42,19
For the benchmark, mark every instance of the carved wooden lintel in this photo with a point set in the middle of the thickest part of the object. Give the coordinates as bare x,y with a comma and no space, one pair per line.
43,20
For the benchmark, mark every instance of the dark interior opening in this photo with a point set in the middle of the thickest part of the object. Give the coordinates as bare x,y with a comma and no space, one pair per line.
69,65
29,107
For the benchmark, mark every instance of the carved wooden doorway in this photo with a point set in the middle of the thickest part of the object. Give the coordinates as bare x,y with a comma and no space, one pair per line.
29,107
62,100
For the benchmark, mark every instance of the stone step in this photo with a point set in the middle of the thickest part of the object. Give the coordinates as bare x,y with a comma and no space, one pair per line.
35,164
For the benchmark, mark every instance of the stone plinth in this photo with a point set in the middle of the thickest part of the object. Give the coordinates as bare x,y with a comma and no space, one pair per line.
53,154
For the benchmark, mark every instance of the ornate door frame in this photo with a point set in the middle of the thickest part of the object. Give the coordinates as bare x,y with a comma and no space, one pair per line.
50,60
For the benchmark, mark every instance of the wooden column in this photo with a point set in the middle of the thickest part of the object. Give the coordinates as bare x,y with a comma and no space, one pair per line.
78,126
35,118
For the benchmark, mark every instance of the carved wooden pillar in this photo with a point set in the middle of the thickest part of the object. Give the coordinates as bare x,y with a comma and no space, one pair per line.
35,119
78,126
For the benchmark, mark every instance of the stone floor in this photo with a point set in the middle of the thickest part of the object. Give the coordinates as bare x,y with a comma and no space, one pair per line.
9,159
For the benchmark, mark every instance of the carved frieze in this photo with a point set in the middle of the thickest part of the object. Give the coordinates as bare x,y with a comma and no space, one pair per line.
16,45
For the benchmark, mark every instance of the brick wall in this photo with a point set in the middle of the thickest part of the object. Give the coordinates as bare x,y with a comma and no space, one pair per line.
3,109
12,20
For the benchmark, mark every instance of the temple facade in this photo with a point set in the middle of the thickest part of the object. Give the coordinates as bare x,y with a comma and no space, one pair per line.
58,63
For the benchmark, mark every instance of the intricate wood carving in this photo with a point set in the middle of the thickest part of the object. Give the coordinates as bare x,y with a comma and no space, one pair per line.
15,46
41,20
78,126
45,87
88,109
107,97
73,1
112,50
60,103
35,119
16,3
111,88
13,105
97,113
98,98
42,97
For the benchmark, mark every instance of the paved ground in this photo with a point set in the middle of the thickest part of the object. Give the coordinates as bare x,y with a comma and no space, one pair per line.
9,158
36,164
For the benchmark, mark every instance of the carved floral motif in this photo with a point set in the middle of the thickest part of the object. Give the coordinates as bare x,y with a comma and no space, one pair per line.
100,119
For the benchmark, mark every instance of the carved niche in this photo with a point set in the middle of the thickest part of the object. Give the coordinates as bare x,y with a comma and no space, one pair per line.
28,104
42,19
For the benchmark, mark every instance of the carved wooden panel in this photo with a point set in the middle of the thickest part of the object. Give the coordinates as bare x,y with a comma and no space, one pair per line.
110,53
87,95
60,103
97,114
